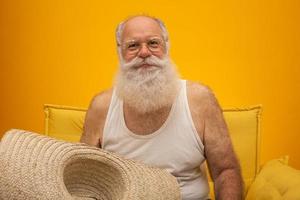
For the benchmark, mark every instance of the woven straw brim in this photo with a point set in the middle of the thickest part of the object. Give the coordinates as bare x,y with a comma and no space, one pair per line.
34,166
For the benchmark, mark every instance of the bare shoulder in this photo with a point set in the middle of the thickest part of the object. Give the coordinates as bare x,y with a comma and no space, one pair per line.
101,101
200,96
95,118
201,102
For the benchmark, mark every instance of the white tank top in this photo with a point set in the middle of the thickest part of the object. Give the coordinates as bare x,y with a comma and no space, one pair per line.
175,146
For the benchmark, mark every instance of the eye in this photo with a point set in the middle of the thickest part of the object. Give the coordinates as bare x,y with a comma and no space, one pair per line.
154,43
132,46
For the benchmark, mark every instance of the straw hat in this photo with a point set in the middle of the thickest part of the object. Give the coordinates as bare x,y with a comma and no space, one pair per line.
34,166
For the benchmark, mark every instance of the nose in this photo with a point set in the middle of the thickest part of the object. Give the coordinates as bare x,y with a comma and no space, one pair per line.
144,51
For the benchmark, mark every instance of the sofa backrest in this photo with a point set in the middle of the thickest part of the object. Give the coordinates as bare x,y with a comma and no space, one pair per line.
66,123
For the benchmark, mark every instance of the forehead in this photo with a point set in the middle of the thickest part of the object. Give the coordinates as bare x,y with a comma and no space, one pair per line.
140,27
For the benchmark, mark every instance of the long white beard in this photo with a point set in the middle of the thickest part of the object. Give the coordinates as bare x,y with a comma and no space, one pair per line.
147,89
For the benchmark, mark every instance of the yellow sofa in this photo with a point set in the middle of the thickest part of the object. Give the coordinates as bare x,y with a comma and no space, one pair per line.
66,123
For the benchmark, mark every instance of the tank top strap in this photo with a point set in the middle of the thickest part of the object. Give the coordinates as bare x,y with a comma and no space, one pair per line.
115,103
184,114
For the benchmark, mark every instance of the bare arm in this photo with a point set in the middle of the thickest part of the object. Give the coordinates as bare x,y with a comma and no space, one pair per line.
222,161
95,119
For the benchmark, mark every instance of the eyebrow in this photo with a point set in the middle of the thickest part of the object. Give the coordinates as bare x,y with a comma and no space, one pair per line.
137,39
152,35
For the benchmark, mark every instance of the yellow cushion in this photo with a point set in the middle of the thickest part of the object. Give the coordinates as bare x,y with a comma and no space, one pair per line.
66,123
276,181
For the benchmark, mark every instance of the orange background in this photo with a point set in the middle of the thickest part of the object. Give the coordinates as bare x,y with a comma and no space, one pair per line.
63,52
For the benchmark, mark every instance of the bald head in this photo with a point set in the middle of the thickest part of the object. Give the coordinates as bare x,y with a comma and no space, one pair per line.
140,25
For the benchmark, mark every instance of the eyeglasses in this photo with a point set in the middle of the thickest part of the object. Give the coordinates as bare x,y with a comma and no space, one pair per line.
133,46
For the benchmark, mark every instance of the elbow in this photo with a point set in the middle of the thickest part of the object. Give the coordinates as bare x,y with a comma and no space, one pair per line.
229,183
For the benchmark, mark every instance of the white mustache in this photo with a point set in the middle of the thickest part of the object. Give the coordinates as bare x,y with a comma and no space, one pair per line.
152,60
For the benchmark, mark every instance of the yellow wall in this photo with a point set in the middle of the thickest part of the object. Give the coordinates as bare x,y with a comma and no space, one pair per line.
63,52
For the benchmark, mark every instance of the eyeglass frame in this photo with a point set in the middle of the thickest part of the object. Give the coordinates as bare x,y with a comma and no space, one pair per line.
162,44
